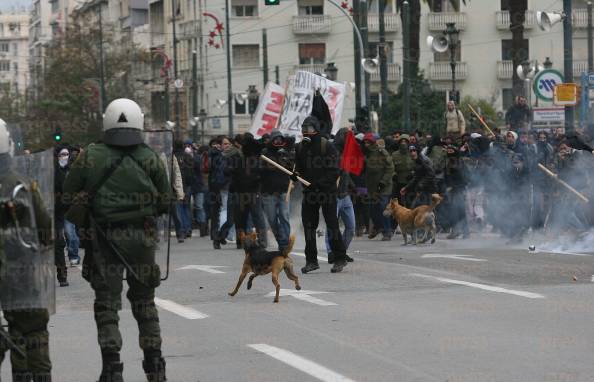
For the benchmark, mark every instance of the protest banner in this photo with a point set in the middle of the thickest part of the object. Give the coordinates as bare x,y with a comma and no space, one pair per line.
269,110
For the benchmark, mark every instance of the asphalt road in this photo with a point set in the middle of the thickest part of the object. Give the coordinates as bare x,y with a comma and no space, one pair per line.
458,311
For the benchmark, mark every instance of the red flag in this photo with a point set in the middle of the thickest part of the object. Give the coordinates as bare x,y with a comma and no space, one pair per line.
352,155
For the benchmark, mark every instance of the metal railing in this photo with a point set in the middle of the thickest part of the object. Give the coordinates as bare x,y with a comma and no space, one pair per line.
437,20
579,18
579,67
394,74
314,68
392,22
312,24
503,20
441,71
505,69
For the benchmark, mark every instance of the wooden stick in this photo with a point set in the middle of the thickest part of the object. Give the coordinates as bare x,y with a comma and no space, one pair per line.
290,188
480,119
278,166
564,184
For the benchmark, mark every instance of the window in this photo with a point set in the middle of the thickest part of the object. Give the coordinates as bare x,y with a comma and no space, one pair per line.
55,5
374,6
15,49
244,8
507,96
373,50
312,54
445,56
4,66
248,107
15,67
445,5
507,52
4,47
246,56
1,30
311,7
505,5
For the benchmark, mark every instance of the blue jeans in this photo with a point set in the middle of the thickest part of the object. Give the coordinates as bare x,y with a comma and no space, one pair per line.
380,222
346,212
72,240
199,210
183,214
276,210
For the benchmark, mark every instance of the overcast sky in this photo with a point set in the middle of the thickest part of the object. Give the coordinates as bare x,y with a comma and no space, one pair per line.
8,5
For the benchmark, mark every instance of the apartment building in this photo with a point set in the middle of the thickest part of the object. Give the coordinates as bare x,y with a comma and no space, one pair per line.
307,34
14,53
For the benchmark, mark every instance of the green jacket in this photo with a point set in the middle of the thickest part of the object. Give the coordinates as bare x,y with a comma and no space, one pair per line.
438,157
138,187
403,166
378,169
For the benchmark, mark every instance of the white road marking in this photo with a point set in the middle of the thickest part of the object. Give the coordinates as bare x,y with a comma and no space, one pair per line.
303,364
453,257
562,252
204,268
483,286
180,310
303,295
320,258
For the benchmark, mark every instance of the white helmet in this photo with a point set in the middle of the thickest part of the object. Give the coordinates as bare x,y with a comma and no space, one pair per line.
6,144
123,123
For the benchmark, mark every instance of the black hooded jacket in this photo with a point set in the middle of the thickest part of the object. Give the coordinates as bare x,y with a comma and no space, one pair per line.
273,180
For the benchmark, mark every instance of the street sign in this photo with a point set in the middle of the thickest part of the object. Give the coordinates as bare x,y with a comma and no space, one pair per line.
544,83
565,94
215,123
548,114
179,83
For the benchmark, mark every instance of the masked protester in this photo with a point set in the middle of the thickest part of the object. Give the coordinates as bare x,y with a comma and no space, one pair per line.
423,183
128,187
274,185
403,168
61,168
317,161
26,296
456,182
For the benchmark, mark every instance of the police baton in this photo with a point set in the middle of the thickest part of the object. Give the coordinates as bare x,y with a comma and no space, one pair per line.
288,172
5,337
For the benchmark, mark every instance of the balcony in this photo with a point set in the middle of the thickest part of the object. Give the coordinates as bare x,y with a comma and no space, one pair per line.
314,68
505,70
579,67
188,29
441,71
437,20
393,74
157,38
579,18
503,21
392,22
312,24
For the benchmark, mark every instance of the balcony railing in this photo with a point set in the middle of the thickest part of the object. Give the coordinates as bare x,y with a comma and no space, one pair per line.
437,20
312,24
505,69
392,22
579,18
394,73
503,20
441,71
314,68
579,67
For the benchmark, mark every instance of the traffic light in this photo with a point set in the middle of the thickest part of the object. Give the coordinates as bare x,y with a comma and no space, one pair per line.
58,135
271,2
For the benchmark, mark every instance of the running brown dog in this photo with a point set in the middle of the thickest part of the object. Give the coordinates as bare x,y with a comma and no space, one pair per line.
260,262
419,218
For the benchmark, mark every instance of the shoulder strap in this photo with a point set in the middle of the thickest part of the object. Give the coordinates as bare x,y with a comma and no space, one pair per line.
106,175
324,143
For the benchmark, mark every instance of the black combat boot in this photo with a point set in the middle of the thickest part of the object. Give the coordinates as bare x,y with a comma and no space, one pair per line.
21,376
154,367
112,368
203,229
46,377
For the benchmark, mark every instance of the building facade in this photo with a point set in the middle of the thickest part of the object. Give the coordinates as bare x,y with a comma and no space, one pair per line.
14,54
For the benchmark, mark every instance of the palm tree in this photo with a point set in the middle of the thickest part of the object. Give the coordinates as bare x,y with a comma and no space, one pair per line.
415,26
517,14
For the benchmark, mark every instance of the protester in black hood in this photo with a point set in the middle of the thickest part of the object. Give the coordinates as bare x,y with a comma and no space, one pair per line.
321,111
317,161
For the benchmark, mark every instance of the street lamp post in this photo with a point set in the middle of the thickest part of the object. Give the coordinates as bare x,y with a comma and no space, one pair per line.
202,118
252,95
453,34
331,71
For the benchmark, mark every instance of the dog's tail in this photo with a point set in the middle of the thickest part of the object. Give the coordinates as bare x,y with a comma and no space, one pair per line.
435,200
287,250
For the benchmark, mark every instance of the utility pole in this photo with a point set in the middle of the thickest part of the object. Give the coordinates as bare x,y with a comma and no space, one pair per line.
364,35
590,41
358,63
229,84
101,62
194,93
201,47
265,56
406,67
176,106
383,63
568,58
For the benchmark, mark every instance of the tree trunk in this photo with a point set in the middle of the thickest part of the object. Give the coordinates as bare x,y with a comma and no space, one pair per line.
517,14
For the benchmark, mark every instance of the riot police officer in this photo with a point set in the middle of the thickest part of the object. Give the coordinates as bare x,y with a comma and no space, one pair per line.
127,187
26,297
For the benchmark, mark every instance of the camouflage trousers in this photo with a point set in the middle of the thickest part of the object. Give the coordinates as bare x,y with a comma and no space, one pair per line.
105,271
28,331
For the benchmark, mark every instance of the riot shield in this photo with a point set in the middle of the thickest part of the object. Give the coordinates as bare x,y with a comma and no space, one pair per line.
28,280
161,141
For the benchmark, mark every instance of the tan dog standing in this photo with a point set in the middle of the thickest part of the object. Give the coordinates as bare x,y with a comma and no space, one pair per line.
419,218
